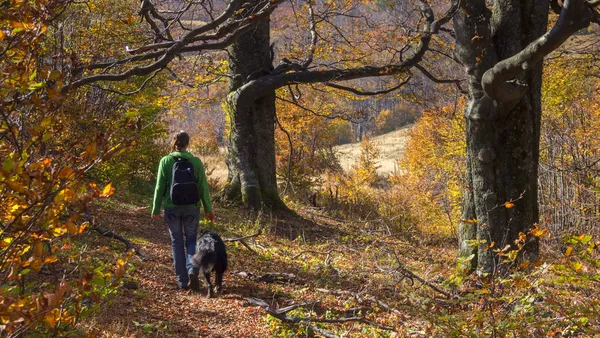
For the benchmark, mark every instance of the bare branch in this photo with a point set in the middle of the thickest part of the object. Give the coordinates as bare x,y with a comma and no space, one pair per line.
169,50
246,94
140,88
368,93
313,36
436,80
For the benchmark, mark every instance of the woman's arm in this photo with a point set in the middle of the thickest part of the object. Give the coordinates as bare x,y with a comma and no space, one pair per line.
203,188
159,189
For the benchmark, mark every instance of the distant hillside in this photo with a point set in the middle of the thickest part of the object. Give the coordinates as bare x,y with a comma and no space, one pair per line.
391,146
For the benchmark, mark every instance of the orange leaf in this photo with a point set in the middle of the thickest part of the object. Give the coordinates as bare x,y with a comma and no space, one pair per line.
569,251
509,205
36,265
65,172
50,259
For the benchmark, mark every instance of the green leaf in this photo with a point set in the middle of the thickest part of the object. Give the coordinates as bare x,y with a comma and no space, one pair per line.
35,86
8,165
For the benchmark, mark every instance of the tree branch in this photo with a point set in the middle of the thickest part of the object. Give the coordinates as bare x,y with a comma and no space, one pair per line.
169,50
281,314
436,80
498,82
368,93
246,94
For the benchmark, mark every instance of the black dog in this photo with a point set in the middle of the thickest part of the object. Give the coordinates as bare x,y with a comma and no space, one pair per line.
210,255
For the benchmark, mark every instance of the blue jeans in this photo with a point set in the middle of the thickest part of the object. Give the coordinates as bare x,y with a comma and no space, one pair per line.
183,227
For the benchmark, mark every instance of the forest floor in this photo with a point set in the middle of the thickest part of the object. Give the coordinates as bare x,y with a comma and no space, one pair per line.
356,262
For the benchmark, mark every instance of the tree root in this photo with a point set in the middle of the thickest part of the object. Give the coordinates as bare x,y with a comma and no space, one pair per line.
281,314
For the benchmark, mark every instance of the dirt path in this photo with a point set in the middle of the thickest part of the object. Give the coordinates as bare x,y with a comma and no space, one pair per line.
158,308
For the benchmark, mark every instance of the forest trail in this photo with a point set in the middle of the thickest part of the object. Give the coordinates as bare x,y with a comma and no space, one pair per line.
158,308
320,252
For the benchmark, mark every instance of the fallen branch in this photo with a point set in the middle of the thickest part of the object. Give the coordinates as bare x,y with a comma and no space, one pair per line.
405,273
328,253
243,240
108,233
270,277
281,314
243,237
359,298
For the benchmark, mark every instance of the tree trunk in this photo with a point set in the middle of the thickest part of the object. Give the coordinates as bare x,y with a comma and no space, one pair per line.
251,159
502,136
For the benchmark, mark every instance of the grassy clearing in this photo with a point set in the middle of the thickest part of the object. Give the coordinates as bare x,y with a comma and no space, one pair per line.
391,146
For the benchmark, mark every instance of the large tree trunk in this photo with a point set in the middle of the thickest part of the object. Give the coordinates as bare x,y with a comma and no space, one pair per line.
502,136
251,159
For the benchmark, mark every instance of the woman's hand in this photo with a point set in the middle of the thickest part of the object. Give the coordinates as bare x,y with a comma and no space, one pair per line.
210,216
157,216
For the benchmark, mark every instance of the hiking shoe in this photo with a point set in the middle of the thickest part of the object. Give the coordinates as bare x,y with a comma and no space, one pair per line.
194,282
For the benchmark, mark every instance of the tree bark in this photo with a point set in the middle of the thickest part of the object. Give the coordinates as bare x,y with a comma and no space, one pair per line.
503,118
251,159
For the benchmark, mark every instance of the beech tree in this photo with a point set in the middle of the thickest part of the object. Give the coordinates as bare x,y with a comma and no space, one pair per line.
251,102
501,50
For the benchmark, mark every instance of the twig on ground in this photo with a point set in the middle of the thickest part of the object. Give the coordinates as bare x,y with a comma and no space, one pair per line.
281,314
328,253
402,270
242,240
270,277
108,233
360,298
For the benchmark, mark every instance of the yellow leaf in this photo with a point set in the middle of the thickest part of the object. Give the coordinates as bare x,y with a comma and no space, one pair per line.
537,231
509,205
569,251
51,318
108,190
45,122
57,231
72,228
59,197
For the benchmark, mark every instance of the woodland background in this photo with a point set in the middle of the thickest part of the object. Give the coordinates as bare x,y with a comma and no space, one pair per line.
372,176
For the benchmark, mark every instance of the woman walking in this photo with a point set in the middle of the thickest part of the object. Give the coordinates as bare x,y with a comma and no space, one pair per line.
181,186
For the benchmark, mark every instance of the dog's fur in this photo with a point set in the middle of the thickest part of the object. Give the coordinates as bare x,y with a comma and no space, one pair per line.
210,256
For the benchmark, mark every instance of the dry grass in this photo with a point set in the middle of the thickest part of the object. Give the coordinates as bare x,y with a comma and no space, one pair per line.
391,146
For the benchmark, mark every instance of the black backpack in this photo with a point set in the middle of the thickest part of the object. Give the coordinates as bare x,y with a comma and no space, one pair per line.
184,189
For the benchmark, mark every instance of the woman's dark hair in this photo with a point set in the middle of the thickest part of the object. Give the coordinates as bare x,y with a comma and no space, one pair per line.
180,141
